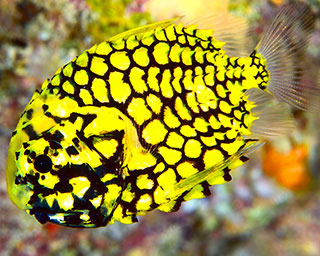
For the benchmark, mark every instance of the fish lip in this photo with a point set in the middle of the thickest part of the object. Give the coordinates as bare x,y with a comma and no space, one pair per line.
41,215
44,215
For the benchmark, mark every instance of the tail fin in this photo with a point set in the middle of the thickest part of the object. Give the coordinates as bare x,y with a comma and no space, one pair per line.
283,46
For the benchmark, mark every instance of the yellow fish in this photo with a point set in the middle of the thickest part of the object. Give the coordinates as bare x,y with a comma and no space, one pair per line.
148,119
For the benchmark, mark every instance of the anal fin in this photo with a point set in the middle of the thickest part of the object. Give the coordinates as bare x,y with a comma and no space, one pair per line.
215,173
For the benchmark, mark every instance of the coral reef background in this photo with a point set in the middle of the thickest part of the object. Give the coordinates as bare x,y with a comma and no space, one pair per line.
272,205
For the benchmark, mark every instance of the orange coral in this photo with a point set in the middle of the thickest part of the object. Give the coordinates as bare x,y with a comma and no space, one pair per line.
288,169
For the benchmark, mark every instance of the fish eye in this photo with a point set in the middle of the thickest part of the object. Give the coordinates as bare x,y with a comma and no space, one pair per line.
43,163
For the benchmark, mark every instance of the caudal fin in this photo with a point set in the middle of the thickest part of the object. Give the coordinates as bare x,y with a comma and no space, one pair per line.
284,46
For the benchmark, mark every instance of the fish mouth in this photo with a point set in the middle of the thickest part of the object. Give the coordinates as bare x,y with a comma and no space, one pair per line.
75,219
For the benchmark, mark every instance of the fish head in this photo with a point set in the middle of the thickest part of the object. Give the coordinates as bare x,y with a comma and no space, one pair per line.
59,177
60,180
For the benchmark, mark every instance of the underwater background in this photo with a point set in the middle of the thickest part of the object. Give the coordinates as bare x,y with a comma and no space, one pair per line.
272,205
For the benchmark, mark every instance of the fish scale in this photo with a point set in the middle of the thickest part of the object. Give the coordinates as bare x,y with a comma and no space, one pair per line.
148,119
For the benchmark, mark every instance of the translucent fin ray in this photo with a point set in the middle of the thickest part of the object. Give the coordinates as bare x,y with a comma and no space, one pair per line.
274,118
226,28
284,46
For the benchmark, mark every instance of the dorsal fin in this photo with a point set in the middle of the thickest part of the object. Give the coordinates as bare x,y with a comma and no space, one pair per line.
226,28
144,29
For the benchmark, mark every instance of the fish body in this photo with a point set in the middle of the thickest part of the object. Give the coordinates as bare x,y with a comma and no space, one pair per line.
148,119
